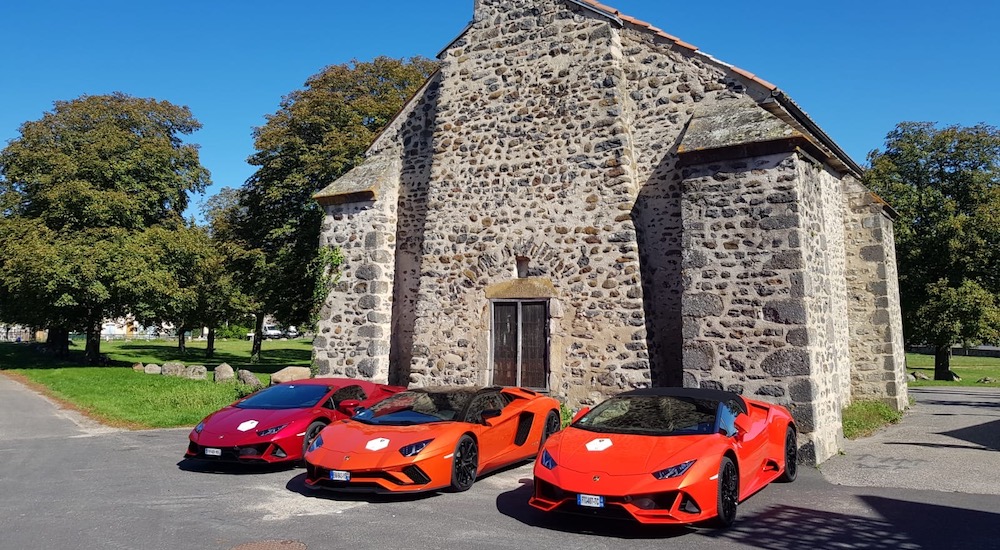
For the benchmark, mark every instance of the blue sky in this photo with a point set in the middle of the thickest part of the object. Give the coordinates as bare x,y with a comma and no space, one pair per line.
856,67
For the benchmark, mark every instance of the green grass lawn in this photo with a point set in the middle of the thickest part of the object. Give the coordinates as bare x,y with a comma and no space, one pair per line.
970,369
118,396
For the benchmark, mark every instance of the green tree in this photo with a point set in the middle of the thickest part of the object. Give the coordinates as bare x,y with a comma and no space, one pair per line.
317,135
945,184
75,187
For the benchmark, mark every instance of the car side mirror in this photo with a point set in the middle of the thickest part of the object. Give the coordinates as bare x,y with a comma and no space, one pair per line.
579,414
349,406
488,414
742,423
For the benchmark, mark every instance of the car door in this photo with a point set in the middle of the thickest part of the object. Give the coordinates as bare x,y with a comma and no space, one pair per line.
496,433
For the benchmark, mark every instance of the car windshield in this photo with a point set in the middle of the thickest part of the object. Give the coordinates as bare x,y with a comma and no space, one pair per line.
285,396
651,415
416,407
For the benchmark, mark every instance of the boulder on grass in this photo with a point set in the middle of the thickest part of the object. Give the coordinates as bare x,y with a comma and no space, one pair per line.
288,374
138,367
173,368
152,368
248,378
224,373
195,372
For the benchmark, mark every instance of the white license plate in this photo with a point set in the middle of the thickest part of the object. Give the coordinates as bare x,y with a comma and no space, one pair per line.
590,501
209,451
337,475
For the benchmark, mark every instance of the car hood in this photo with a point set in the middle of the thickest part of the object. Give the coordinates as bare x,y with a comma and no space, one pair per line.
237,421
624,454
351,436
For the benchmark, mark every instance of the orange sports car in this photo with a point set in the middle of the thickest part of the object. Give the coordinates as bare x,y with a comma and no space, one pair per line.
431,438
666,455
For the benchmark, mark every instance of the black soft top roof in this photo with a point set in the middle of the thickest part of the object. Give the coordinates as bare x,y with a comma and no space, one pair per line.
693,393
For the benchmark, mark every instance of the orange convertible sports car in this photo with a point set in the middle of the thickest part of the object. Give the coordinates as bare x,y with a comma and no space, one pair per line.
431,438
666,455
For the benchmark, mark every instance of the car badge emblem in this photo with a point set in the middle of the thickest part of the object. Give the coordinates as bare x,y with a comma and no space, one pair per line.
597,478
247,426
599,445
377,444
347,457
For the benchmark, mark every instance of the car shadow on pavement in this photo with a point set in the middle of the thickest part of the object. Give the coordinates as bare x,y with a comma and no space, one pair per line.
514,504
298,485
905,526
229,468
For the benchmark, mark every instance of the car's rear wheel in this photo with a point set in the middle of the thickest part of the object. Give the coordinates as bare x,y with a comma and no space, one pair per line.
729,493
465,464
311,433
552,425
791,456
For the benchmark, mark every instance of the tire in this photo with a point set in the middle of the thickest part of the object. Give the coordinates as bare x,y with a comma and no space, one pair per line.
464,464
728,493
553,423
311,432
791,470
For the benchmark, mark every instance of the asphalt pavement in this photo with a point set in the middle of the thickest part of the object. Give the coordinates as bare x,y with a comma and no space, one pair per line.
929,482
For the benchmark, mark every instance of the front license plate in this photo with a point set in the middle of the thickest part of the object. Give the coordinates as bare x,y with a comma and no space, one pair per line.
337,475
590,501
209,451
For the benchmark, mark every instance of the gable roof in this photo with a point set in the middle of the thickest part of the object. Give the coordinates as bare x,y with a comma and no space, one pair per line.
778,104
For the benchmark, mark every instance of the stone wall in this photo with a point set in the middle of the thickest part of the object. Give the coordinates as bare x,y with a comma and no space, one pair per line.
876,337
531,161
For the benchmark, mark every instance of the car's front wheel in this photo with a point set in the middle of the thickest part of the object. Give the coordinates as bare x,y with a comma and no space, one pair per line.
552,425
465,464
729,493
311,432
791,456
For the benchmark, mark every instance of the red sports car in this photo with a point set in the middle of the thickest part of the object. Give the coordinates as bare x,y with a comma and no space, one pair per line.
431,438
277,423
666,455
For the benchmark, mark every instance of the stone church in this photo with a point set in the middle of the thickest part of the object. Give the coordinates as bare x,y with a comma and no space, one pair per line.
581,203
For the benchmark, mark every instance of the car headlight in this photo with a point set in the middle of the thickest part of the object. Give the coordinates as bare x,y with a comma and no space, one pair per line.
414,448
317,443
199,427
673,471
271,431
547,461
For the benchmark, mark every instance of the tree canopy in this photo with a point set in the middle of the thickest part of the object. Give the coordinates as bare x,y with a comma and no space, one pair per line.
317,135
78,189
945,184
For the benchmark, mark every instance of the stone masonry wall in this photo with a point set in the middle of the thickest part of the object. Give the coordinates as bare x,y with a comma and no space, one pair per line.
530,160
355,319
876,326
822,222
746,304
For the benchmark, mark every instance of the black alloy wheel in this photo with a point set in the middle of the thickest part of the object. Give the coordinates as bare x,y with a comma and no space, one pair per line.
729,493
553,423
311,433
791,456
465,464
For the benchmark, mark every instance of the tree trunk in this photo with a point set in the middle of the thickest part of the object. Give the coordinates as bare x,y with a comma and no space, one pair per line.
181,343
58,341
210,346
942,362
92,353
258,336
